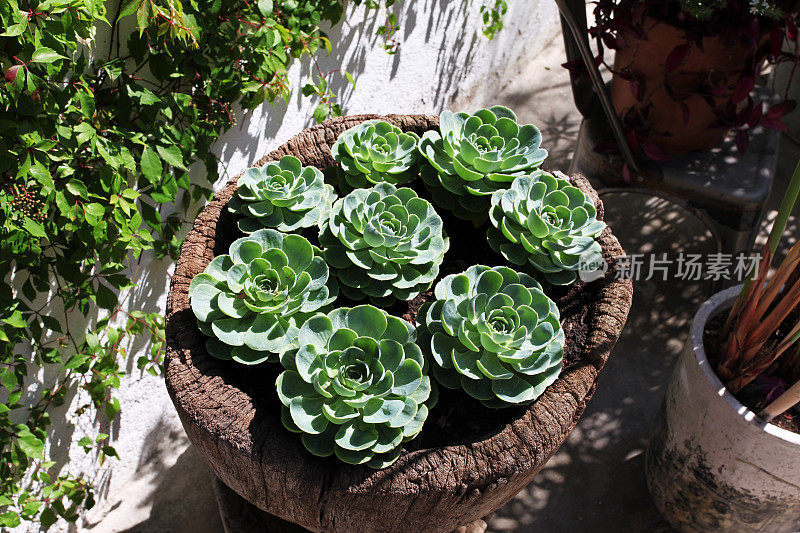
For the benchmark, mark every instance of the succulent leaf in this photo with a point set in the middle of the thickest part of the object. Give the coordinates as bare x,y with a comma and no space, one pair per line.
251,300
472,156
283,195
374,152
355,385
493,333
547,223
384,242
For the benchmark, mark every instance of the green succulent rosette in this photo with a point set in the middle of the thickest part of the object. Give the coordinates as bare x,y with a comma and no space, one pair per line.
493,333
251,301
355,385
472,156
375,152
283,195
383,242
548,223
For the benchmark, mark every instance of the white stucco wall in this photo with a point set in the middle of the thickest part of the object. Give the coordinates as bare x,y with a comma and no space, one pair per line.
442,58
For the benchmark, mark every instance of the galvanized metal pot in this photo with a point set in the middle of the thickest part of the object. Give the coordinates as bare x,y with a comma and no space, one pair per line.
712,465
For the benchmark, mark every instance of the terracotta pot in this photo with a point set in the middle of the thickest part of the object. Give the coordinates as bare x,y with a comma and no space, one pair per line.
646,60
712,465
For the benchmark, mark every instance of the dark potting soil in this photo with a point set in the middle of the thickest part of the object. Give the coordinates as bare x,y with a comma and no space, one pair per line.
754,395
457,417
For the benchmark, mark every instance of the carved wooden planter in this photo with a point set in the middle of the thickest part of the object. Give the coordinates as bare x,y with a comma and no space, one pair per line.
466,463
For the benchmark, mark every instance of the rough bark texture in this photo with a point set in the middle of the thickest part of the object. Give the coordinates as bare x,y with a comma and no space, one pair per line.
240,516
434,489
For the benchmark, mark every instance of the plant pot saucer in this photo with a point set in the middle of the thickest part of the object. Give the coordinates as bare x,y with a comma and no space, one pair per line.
445,478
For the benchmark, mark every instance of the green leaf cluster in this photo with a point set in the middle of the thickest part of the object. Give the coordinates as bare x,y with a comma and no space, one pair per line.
356,383
472,156
384,242
493,333
492,13
95,150
356,386
252,300
705,9
548,223
283,195
374,152
95,158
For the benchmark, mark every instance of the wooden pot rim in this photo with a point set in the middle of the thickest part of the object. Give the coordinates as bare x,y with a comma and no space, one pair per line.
226,425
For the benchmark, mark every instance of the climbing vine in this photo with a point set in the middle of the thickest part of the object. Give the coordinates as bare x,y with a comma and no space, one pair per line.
96,141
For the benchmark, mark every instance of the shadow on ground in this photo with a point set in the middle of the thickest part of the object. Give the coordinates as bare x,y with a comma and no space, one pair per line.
186,485
596,480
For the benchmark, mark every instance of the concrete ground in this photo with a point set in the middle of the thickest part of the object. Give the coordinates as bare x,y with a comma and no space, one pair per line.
596,480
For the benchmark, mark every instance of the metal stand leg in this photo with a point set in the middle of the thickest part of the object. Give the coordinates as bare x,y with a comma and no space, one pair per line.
736,232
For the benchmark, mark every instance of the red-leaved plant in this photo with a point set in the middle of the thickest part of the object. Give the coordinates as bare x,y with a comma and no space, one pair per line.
758,26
